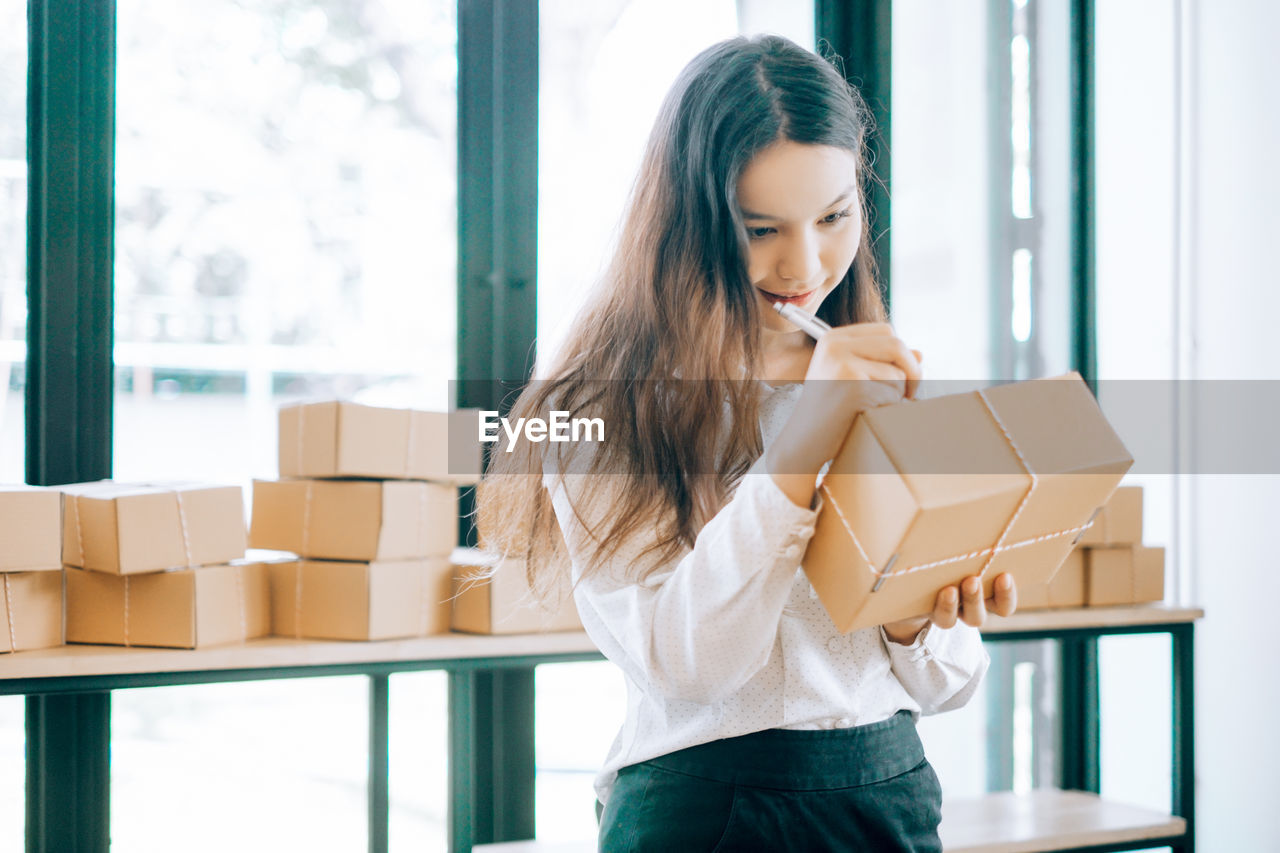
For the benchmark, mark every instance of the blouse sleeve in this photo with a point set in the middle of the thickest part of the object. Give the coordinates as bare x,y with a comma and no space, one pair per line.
942,668
698,627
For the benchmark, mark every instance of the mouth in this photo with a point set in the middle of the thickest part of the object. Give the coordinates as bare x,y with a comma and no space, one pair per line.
788,299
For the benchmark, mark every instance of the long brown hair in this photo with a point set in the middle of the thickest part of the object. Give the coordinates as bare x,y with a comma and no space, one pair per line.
660,351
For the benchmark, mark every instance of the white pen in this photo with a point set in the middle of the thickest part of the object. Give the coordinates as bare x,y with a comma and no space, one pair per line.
803,320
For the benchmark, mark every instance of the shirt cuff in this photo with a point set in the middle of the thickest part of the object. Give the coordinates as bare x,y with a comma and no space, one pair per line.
918,650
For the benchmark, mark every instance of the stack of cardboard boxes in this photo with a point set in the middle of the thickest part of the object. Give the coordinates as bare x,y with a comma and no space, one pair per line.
159,565
1108,566
494,598
30,569
368,502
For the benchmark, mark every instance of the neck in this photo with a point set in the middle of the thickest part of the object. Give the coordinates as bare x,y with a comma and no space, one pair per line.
785,355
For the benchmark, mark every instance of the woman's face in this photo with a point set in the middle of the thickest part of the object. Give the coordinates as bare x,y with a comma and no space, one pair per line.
800,206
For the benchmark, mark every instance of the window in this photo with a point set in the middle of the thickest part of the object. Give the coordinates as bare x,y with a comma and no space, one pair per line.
13,237
13,355
596,108
13,744
981,277
285,229
258,765
285,221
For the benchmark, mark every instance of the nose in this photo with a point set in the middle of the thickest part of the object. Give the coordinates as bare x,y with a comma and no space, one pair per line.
800,260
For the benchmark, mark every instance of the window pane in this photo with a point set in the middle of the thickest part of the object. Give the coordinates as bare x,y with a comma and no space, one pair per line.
285,229
285,220
419,772
1135,682
580,707
13,237
265,765
941,247
595,113
13,771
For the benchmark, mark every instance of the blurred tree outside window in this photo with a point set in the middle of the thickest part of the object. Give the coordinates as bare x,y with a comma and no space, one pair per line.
285,220
286,228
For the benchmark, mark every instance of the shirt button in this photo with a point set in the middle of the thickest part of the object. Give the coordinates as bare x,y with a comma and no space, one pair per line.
835,644
844,722
793,552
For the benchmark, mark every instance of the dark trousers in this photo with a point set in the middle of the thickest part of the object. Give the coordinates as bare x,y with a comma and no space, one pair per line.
864,788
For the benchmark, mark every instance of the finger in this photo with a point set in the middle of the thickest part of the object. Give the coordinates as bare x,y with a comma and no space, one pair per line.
945,607
864,329
913,386
973,609
889,350
1004,598
883,359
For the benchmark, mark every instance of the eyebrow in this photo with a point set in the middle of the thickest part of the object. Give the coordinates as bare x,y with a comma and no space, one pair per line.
747,214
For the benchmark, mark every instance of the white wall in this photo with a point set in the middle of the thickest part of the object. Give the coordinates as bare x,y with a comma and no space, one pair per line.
1188,194
1235,190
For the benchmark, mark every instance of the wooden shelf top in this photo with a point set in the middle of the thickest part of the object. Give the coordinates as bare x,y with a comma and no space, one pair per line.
1043,820
281,652
1047,819
1091,617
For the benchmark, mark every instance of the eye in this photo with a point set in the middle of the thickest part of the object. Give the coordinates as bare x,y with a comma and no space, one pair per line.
832,218
758,233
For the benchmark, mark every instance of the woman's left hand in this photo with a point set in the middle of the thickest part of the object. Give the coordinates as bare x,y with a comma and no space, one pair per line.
961,601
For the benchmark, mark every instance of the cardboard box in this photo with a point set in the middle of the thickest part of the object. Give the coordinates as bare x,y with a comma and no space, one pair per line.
321,599
339,439
30,610
30,529
489,600
1125,575
925,493
1067,589
1119,522
180,608
127,528
355,519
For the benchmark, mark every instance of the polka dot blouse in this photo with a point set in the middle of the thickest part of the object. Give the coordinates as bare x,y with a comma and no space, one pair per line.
730,637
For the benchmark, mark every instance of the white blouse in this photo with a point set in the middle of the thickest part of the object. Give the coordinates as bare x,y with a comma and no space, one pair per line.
731,638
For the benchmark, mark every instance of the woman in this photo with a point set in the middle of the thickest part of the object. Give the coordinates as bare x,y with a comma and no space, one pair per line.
752,724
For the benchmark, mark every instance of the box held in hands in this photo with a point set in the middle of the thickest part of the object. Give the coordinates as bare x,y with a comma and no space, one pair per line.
924,493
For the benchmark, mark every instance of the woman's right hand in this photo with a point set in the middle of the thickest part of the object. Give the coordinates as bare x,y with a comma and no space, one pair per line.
853,368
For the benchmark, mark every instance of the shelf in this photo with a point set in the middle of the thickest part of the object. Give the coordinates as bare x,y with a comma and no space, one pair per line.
1043,820
281,652
1048,819
1068,618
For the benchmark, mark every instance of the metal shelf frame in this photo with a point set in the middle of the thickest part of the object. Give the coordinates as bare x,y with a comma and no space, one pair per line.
491,736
